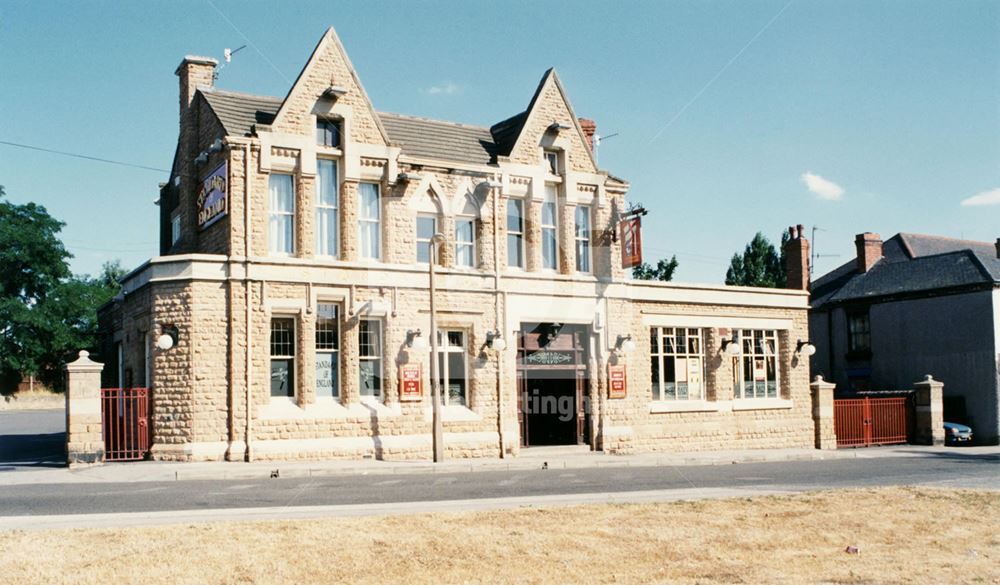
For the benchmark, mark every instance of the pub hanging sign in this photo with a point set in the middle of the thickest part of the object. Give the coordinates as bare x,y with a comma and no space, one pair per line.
213,197
631,235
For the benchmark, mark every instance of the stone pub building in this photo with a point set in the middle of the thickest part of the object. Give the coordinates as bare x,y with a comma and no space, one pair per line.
295,236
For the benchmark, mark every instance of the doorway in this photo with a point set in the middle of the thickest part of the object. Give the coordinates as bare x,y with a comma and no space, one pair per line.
552,384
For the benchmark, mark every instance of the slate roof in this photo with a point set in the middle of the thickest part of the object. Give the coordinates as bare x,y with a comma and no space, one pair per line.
912,264
238,112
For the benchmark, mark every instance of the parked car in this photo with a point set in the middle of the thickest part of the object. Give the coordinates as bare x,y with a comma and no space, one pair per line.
956,434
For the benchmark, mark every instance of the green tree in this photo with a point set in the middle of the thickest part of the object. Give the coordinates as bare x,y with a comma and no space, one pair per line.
760,265
664,270
46,314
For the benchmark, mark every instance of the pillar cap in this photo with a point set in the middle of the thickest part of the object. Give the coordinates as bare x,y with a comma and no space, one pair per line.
84,364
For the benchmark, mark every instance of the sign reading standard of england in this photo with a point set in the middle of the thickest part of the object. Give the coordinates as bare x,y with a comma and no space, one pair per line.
213,197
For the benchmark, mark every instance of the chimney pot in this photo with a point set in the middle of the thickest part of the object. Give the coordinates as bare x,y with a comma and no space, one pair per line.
797,259
589,128
869,248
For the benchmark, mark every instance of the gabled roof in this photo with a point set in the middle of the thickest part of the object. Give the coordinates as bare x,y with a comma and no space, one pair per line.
912,264
238,112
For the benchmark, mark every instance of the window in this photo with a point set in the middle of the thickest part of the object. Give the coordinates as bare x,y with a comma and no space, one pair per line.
327,203
370,356
552,162
327,133
757,364
550,232
859,333
452,367
465,242
370,221
515,233
327,351
281,232
677,355
282,357
581,236
426,228
175,228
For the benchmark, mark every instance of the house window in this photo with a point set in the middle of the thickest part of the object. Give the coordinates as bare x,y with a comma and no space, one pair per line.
327,133
677,357
282,357
327,351
175,228
515,233
370,356
370,222
859,333
281,232
757,364
581,236
426,228
550,231
327,203
552,162
452,370
465,242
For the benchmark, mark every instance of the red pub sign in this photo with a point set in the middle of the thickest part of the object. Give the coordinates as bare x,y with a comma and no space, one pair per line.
631,242
617,385
410,383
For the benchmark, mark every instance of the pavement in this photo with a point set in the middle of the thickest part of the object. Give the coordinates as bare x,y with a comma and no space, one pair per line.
529,459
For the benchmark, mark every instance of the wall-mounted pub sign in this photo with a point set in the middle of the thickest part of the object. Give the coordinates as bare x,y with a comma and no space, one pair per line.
213,197
631,235
410,383
617,383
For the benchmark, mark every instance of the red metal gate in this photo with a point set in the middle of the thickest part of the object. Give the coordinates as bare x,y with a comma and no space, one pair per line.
860,422
125,413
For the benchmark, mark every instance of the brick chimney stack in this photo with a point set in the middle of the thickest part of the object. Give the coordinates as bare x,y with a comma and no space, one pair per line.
194,72
797,259
589,129
869,248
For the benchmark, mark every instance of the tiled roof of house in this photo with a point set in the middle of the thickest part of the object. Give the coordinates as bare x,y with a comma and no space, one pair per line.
419,137
911,263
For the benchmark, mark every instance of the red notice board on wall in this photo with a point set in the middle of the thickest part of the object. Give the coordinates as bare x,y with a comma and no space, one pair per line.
411,378
617,383
631,242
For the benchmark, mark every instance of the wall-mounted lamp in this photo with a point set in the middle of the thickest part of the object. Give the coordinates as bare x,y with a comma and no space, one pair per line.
625,344
216,146
201,158
805,348
495,341
416,340
408,177
730,346
168,337
558,127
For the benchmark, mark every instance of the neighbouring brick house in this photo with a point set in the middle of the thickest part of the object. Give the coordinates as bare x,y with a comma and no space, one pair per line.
910,306
294,270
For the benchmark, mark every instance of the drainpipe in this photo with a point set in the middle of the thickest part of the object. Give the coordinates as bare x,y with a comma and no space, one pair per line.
248,299
500,318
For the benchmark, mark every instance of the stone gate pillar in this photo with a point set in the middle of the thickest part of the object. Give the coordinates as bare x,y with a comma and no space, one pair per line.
930,412
822,411
84,439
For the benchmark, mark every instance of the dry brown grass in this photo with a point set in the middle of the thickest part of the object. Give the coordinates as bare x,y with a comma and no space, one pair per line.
904,536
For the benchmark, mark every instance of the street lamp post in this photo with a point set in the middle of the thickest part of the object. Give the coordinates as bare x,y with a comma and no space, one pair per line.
437,428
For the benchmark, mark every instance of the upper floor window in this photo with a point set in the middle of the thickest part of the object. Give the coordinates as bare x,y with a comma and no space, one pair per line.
175,228
370,356
515,233
550,229
552,162
426,228
370,221
677,356
327,350
452,367
282,357
281,225
757,363
327,205
465,242
327,133
581,236
859,333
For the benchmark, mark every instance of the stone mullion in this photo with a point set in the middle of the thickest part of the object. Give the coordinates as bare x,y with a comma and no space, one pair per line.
502,231
567,245
350,390
446,226
349,221
305,243
305,358
533,235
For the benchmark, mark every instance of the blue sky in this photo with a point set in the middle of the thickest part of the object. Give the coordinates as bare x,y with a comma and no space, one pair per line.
732,117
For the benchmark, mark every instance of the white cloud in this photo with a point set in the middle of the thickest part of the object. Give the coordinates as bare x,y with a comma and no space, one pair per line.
823,188
448,88
991,197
